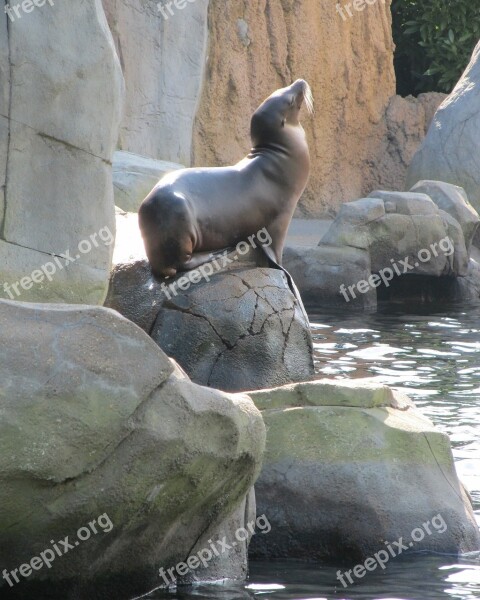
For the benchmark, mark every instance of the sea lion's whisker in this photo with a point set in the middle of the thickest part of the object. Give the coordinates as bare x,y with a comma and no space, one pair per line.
308,95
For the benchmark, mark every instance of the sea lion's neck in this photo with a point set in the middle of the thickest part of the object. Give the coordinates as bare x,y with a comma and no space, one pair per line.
290,141
268,149
287,161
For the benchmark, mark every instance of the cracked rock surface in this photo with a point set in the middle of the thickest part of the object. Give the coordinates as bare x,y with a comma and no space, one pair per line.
349,465
60,102
243,329
450,152
95,419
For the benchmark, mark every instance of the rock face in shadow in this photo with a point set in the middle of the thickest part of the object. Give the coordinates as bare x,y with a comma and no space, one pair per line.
97,421
320,271
350,465
241,329
450,152
59,120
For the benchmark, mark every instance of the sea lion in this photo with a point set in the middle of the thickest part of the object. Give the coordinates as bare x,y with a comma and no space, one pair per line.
193,212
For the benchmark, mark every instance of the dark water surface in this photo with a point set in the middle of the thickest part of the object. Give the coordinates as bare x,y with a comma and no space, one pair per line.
435,358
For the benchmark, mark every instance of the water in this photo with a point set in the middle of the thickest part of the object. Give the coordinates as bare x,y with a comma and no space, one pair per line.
435,358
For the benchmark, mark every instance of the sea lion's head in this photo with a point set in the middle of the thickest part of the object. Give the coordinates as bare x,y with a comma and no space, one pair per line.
279,113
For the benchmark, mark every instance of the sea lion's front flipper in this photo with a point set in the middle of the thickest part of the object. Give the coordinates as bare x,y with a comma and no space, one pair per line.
200,258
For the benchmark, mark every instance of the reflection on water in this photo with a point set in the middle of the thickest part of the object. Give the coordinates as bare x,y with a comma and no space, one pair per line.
426,578
435,358
415,578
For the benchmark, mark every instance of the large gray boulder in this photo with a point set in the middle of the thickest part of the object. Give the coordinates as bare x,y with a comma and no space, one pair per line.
451,149
135,176
98,425
59,122
350,465
239,328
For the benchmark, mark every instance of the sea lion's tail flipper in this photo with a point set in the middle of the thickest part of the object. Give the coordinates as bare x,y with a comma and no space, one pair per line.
272,259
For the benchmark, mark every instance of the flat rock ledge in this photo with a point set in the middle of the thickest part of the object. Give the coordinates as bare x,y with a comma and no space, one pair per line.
350,465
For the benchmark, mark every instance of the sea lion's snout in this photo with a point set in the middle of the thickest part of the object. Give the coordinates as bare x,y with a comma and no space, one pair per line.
282,107
303,93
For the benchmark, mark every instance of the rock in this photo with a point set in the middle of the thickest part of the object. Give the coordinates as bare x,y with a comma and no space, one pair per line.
453,200
135,176
320,271
134,294
350,465
163,61
395,226
407,122
456,240
58,131
95,421
450,152
408,293
242,328
235,561
392,246
468,287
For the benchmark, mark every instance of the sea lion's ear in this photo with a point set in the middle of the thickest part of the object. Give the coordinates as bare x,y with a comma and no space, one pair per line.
283,122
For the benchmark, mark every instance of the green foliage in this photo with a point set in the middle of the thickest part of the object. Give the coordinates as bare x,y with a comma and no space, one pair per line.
435,39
